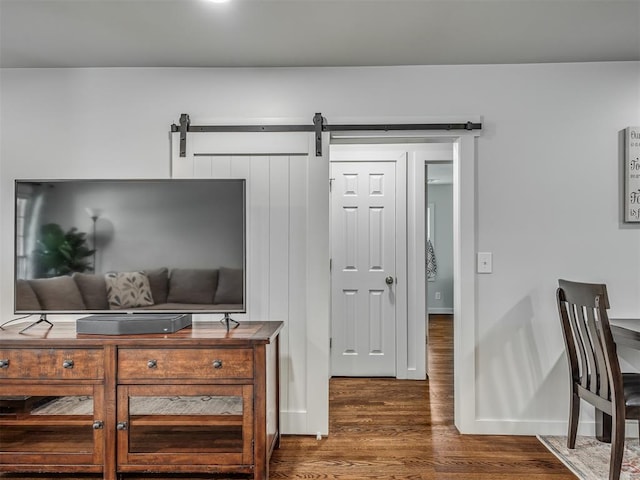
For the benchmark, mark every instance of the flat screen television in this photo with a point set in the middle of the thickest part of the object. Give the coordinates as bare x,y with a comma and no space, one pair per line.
130,246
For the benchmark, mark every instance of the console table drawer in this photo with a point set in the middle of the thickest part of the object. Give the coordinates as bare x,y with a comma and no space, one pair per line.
51,363
185,363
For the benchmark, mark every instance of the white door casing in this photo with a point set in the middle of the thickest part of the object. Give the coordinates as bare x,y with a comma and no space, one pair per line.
363,274
287,253
411,347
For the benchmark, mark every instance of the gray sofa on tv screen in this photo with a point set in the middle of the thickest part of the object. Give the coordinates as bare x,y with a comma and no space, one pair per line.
177,290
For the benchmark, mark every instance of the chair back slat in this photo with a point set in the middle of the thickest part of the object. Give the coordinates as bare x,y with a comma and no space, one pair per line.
567,320
582,309
581,343
602,388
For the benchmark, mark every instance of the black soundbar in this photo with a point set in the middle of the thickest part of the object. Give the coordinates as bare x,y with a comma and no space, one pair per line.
131,324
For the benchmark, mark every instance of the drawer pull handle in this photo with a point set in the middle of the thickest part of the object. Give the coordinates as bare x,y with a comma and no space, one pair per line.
98,424
152,364
67,364
121,426
217,364
4,363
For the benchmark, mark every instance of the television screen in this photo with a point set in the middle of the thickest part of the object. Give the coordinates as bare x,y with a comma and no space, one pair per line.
114,246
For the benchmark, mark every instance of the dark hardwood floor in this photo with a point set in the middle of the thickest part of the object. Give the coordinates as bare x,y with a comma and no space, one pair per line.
403,430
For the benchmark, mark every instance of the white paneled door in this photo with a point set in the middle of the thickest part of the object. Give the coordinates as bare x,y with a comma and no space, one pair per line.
363,269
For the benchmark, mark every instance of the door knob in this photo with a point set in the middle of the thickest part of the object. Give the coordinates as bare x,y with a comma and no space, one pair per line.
389,280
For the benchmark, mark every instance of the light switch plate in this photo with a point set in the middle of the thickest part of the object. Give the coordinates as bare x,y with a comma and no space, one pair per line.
485,262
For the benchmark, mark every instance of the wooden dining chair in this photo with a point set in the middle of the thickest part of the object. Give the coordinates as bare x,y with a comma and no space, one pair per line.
593,364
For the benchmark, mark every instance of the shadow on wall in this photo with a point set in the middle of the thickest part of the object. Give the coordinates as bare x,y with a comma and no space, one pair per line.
521,371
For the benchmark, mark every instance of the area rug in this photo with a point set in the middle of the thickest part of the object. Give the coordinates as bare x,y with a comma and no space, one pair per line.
590,459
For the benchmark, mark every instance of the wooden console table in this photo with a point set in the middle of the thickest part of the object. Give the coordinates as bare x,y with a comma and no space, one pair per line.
201,400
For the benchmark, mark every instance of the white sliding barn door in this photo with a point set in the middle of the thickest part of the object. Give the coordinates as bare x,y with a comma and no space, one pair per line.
287,253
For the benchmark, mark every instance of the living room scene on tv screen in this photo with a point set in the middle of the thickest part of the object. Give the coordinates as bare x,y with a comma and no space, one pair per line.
120,245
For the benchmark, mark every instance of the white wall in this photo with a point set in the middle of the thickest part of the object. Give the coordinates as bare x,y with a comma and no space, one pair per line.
548,179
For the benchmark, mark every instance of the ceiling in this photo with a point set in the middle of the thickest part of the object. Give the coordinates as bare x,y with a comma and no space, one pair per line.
292,33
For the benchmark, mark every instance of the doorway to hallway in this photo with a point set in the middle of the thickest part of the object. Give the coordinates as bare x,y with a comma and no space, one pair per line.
439,271
418,148
392,309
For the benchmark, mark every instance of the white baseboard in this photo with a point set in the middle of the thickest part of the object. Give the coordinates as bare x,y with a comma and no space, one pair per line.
515,427
441,311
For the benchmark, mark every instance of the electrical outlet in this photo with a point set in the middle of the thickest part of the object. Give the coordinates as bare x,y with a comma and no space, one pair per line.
438,296
485,262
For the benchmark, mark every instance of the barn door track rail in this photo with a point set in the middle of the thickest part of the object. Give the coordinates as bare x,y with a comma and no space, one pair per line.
318,127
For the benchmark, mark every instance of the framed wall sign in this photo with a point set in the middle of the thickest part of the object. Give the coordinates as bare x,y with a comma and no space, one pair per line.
632,175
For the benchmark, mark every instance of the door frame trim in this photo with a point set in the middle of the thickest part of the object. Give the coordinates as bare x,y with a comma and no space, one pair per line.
465,304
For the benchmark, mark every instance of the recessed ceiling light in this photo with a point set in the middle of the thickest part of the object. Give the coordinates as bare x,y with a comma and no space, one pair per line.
217,1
